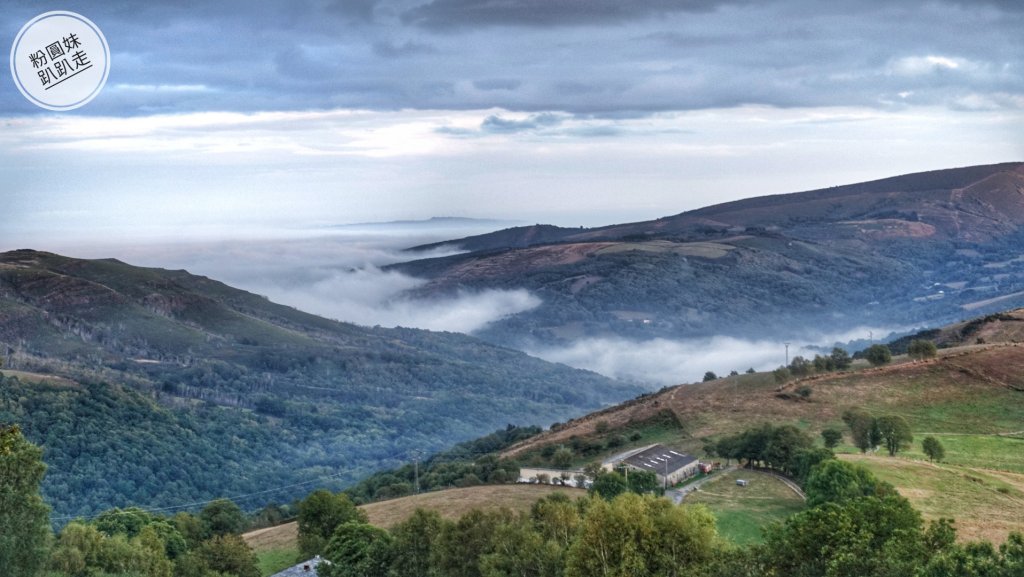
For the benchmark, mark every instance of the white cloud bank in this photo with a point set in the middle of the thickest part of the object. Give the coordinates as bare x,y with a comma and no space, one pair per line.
337,275
671,362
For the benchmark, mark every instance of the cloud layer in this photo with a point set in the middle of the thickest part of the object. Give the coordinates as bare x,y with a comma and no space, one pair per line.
576,56
671,362
336,275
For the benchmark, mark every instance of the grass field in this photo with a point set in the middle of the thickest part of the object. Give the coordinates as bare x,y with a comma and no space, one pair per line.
451,504
978,451
272,561
742,512
985,504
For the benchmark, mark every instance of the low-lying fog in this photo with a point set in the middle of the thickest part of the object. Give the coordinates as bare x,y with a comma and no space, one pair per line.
337,274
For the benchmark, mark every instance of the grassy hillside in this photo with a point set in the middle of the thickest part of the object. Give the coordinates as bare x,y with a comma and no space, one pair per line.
971,398
267,395
986,504
742,512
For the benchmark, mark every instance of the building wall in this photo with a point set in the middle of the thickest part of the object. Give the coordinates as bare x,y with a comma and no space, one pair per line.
532,473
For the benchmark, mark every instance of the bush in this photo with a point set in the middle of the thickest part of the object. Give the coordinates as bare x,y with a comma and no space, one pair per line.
878,355
921,349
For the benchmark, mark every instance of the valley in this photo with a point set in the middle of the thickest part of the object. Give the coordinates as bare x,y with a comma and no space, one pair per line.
920,249
189,389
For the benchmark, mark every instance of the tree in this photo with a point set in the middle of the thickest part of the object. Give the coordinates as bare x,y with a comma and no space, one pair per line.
862,428
831,437
800,366
933,448
223,517
878,355
710,376
357,549
85,550
751,371
781,375
521,551
609,485
895,433
642,535
834,481
229,554
921,349
823,364
461,545
24,518
858,537
562,459
557,518
841,359
782,445
641,482
319,514
805,460
414,543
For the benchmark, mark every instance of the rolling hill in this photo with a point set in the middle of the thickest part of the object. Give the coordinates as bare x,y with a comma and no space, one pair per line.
970,397
926,248
175,388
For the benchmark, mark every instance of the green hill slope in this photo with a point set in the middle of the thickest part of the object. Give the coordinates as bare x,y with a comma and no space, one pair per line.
277,396
970,398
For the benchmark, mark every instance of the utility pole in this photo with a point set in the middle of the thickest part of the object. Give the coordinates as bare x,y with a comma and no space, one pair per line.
787,353
416,469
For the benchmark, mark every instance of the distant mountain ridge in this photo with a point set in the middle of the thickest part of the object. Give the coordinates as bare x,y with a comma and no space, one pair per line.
881,251
994,192
295,396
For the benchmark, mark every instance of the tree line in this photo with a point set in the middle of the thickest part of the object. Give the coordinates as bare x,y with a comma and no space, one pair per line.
854,526
118,542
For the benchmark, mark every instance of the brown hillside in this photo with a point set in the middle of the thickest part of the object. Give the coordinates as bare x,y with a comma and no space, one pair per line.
956,380
450,503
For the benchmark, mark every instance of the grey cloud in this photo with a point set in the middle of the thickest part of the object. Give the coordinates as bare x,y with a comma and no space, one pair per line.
497,124
360,10
307,54
497,84
409,48
449,14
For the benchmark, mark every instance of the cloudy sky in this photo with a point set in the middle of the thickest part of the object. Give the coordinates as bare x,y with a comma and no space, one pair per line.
227,118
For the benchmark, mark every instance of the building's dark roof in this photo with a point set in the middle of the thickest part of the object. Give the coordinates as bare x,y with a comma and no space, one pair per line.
659,459
299,570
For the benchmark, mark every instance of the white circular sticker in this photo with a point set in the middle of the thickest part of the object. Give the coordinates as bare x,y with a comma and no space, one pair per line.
60,60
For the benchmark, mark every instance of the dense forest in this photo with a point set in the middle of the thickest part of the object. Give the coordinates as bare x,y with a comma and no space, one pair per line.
156,388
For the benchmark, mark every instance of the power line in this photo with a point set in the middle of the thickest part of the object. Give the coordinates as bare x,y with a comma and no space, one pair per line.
200,503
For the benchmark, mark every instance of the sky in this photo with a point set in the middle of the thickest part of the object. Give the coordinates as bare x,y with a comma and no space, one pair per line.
229,119
232,136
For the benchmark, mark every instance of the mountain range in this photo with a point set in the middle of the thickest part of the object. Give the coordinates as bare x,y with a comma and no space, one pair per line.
157,387
160,388
911,250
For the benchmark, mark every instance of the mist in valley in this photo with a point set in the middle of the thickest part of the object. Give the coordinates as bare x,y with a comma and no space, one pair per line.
342,275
